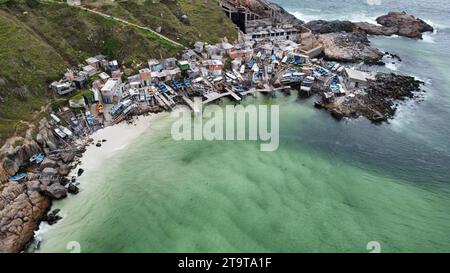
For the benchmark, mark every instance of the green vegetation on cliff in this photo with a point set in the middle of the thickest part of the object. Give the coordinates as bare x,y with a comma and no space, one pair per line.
186,21
40,39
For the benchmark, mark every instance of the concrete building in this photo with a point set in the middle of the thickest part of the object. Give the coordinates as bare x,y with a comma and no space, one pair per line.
356,79
111,90
145,77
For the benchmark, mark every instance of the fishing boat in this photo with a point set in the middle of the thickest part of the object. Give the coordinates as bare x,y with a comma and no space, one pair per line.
37,158
17,177
89,118
66,131
60,133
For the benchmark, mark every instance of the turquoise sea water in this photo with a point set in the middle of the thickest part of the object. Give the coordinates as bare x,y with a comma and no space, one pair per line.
330,187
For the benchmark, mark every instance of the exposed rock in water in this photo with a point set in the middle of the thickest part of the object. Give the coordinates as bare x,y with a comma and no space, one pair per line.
80,171
73,189
349,47
378,102
394,23
405,24
52,217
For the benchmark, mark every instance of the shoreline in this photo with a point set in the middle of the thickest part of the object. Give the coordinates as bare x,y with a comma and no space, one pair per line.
118,137
93,151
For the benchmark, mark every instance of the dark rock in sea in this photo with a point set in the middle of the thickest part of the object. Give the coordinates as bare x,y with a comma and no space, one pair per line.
73,189
379,102
405,24
64,181
98,144
104,140
394,23
53,217
80,171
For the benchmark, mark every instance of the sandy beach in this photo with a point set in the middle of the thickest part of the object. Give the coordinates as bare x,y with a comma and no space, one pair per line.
117,137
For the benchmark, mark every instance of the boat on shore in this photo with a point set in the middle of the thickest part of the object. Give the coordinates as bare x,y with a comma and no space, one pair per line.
37,158
18,177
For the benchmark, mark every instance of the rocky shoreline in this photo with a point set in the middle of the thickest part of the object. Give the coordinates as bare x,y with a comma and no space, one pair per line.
24,205
379,102
347,41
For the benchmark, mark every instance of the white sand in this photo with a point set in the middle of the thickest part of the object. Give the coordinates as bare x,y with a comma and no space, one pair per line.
117,137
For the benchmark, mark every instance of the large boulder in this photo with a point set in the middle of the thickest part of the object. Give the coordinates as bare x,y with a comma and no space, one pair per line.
21,209
49,172
349,47
55,191
10,166
64,169
48,163
406,25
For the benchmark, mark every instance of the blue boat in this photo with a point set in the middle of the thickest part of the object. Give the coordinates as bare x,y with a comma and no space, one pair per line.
176,85
17,177
37,158
162,88
250,64
186,83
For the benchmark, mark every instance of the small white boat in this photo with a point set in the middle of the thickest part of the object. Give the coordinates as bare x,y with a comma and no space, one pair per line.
60,133
55,118
66,131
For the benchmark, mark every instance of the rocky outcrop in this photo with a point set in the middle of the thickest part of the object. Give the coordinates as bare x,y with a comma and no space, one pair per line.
349,47
24,205
21,210
323,27
404,24
379,102
394,23
55,191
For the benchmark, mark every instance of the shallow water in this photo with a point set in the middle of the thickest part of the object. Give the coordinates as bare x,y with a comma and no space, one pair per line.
331,186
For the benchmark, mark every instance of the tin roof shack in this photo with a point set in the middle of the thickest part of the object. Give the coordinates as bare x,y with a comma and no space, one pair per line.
114,65
189,55
145,77
89,70
212,50
110,90
80,82
166,75
92,61
184,66
277,33
62,88
214,67
198,47
155,65
103,77
117,74
169,63
354,79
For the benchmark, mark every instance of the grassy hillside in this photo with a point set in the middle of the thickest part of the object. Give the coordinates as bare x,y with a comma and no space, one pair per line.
41,39
186,21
